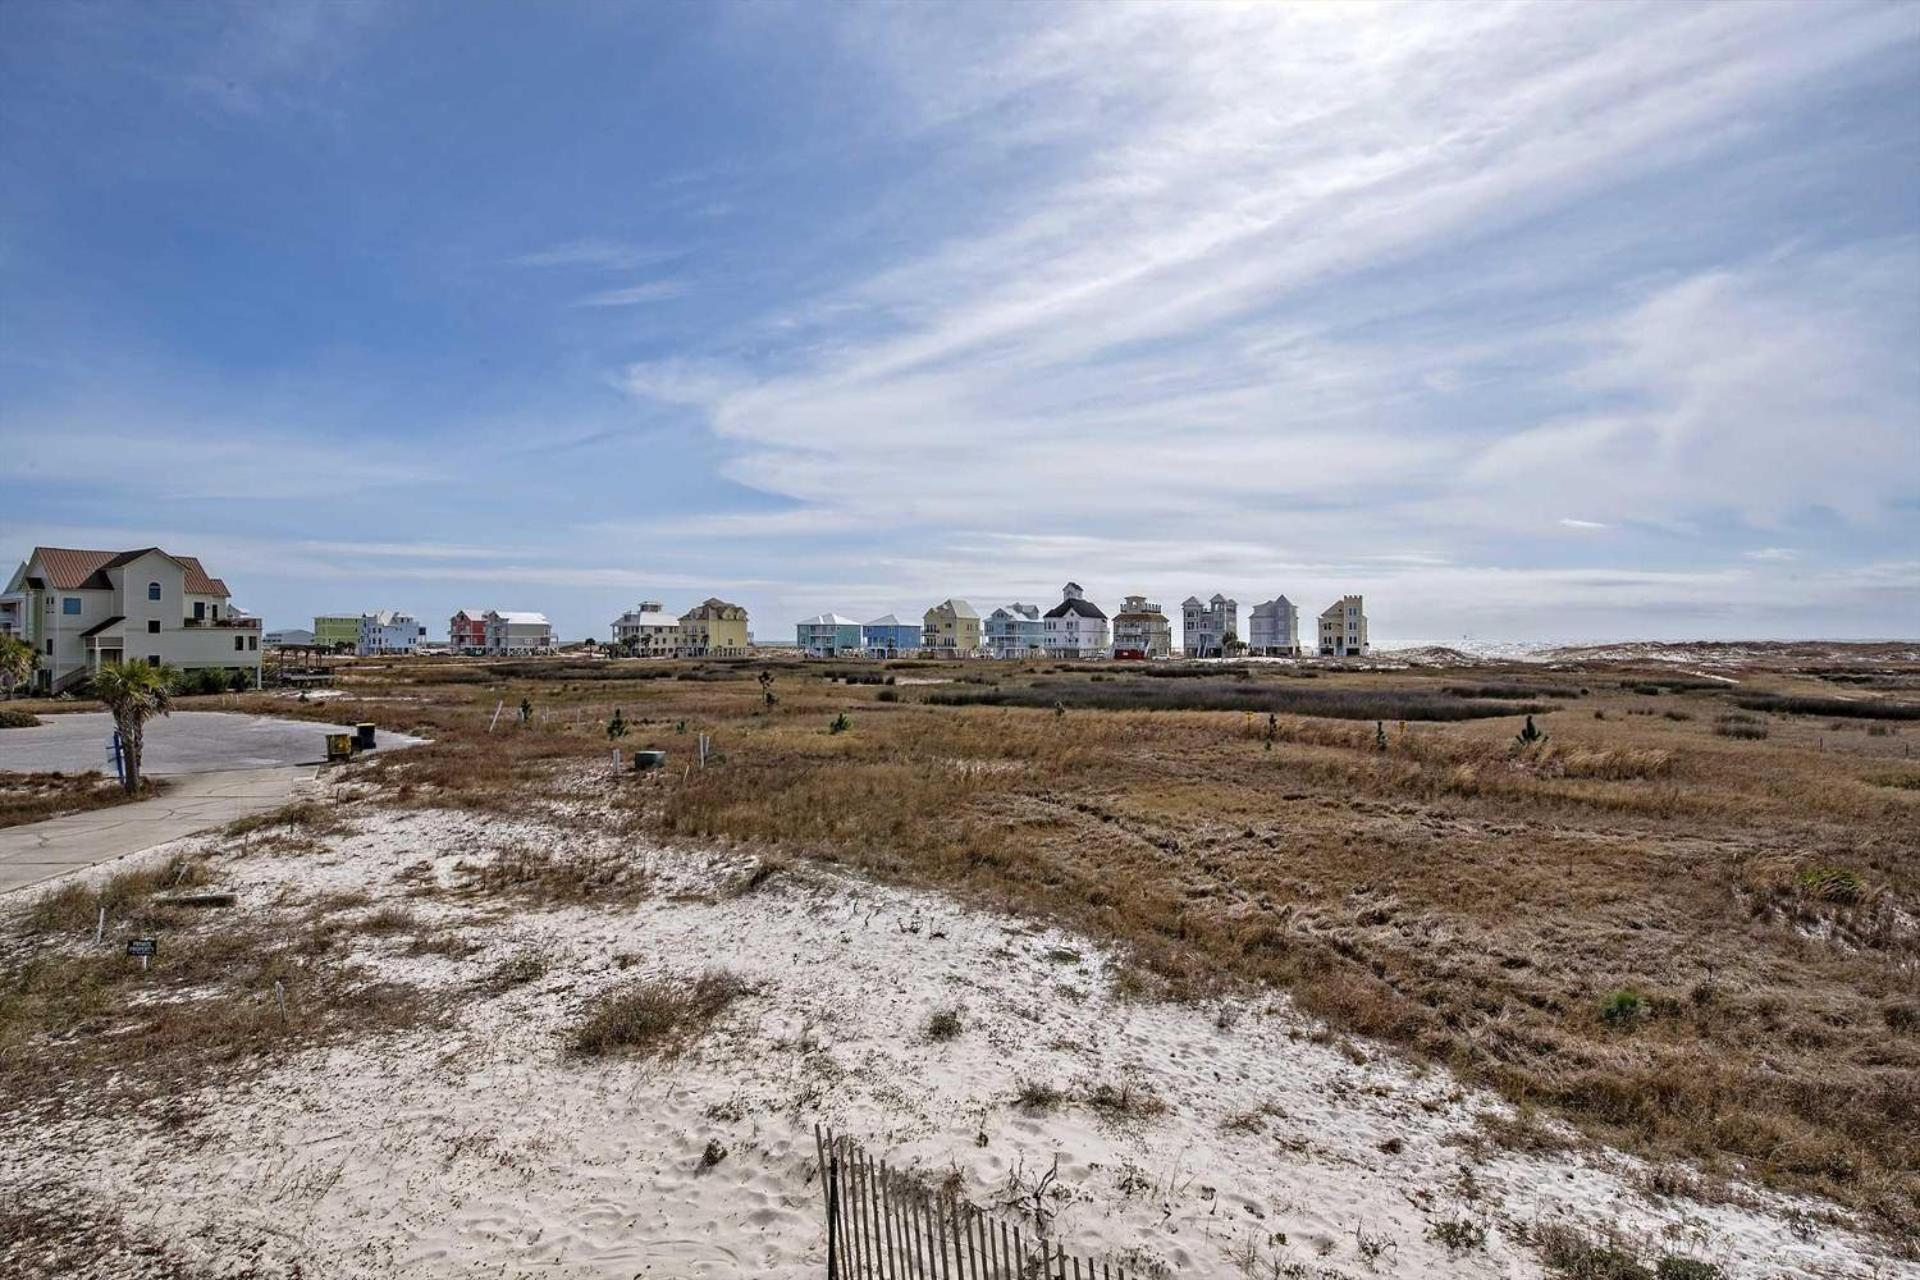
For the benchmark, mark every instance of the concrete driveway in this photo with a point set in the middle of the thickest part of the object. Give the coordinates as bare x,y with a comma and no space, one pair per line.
219,766
184,742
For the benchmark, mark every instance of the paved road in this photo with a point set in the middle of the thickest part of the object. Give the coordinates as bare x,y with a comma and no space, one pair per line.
192,802
184,742
219,766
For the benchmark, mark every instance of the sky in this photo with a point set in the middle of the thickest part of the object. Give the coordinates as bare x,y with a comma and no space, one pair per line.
1542,322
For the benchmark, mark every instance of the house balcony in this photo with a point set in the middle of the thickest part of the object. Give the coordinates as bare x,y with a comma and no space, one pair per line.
236,624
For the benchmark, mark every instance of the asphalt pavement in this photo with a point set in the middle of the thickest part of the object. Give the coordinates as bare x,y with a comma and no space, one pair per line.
217,766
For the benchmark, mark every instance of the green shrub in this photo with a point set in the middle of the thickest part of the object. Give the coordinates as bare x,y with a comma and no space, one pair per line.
1624,1008
10,719
1831,884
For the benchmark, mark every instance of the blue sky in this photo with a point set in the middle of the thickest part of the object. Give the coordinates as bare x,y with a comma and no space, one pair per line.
1531,322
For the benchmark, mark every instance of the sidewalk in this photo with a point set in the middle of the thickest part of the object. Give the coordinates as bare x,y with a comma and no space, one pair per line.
192,802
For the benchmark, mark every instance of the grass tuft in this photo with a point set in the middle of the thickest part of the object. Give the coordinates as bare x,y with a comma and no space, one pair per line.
656,1017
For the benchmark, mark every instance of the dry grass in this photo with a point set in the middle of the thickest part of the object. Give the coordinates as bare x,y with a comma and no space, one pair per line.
125,896
656,1017
310,817
529,875
1466,899
73,1024
34,797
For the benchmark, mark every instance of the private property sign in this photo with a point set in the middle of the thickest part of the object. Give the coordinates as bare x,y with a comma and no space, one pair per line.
145,948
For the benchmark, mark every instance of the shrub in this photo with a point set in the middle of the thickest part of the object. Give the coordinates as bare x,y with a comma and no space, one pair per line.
1458,1234
1515,692
1624,1008
11,719
1568,1253
1677,1268
1036,1095
1529,735
1851,708
1125,1101
1134,693
516,970
1735,725
1831,884
841,723
658,1017
887,695
943,1025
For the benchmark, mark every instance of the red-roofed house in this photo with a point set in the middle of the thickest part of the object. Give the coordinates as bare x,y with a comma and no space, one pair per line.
79,609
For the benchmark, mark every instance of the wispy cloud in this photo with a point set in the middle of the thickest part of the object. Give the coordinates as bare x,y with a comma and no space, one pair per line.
598,254
1569,522
633,295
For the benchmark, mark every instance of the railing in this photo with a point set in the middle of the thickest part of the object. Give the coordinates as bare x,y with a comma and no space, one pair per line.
243,624
882,1225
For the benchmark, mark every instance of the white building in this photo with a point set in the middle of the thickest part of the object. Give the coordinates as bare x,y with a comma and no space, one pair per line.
291,636
81,609
1205,628
388,631
1274,629
648,630
510,632
1076,627
1343,629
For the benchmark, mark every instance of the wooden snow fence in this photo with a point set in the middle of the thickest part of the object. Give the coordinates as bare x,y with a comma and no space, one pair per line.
882,1225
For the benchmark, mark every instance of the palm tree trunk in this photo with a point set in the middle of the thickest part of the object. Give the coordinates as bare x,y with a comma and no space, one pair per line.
130,751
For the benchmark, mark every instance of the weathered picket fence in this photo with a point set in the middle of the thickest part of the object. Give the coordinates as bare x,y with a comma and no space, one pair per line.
882,1225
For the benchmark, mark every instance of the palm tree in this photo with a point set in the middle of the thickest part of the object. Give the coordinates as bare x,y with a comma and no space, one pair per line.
134,693
17,661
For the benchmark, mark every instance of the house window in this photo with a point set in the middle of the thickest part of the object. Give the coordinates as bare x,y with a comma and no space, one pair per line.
253,643
153,659
70,606
153,591
153,626
239,644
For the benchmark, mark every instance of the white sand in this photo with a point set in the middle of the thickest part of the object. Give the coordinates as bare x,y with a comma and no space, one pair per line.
487,1151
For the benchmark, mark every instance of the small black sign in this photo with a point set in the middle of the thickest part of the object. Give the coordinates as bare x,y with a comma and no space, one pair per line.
143,946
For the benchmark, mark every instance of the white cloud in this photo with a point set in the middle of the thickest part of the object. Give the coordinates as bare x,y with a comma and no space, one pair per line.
597,253
632,295
1570,523
1144,331
165,460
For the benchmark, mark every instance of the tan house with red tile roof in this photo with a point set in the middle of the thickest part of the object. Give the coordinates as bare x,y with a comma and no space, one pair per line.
79,609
